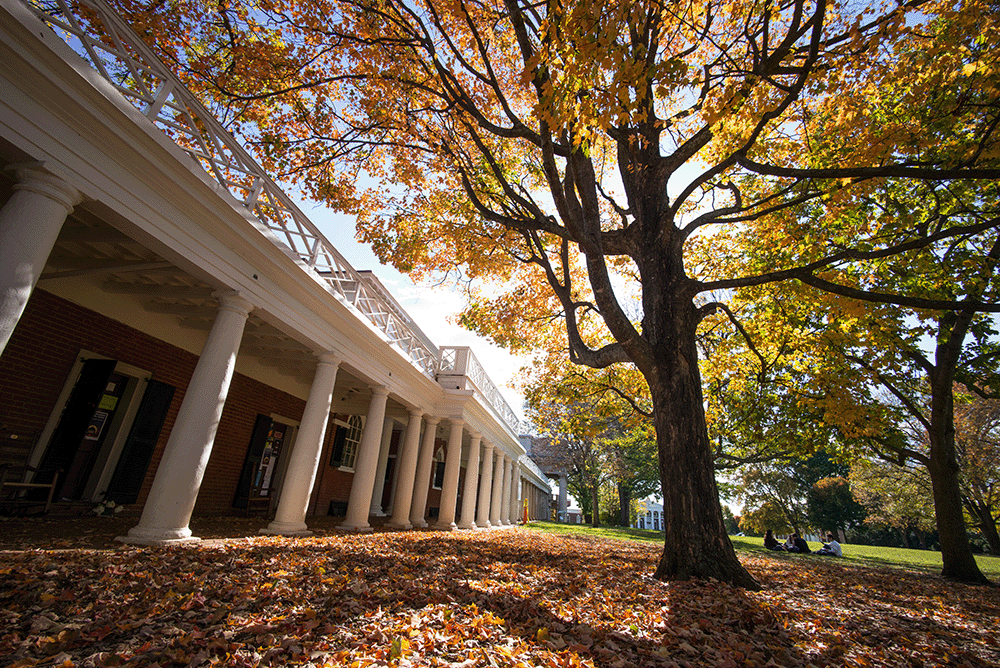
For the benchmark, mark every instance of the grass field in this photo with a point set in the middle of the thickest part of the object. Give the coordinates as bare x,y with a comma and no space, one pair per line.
863,555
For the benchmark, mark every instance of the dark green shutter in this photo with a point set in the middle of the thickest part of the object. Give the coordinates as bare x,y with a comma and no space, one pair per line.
138,451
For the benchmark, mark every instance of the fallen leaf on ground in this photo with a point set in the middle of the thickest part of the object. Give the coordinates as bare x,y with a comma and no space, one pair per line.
486,598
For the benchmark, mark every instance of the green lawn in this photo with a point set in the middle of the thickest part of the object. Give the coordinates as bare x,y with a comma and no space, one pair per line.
864,555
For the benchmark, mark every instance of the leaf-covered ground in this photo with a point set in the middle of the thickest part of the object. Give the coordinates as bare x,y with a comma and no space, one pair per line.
512,597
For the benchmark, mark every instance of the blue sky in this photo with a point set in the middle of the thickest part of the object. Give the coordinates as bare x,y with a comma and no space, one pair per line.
432,307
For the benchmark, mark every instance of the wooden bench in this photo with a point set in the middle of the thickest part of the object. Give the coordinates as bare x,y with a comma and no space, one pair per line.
16,483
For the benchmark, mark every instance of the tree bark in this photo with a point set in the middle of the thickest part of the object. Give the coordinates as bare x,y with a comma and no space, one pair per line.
956,552
595,507
695,539
987,524
624,503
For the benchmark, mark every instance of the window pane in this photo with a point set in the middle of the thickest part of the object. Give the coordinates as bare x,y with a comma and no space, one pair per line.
351,441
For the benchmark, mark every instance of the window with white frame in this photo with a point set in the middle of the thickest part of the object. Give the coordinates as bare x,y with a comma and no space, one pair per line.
351,440
438,469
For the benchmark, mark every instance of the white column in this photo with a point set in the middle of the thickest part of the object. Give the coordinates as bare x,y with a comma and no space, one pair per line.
422,480
296,487
485,487
365,464
29,224
449,489
508,471
406,470
563,505
468,521
516,509
383,461
497,492
167,512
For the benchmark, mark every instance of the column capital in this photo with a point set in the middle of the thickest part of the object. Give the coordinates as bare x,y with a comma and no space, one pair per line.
33,177
432,419
233,301
477,435
380,391
328,357
416,413
457,421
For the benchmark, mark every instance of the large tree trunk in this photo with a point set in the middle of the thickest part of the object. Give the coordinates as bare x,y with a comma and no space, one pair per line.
956,552
958,562
624,505
695,539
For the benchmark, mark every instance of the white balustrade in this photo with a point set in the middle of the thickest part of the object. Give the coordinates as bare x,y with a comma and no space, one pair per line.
107,42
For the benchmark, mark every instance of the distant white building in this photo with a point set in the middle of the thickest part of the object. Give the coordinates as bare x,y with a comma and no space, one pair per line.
651,519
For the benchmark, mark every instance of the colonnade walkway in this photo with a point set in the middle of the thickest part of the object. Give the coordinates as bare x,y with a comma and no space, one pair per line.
176,335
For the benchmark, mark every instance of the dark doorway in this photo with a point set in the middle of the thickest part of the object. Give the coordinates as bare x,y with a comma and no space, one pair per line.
261,465
81,428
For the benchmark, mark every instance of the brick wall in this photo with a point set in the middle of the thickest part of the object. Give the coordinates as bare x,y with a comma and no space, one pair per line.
41,353
44,346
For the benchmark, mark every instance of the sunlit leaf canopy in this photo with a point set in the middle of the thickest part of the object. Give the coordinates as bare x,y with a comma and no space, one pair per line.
576,136
449,128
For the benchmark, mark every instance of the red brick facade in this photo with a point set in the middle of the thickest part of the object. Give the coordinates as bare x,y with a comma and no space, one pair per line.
41,353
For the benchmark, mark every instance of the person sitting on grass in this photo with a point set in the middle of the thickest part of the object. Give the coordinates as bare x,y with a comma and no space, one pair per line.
831,548
770,543
799,545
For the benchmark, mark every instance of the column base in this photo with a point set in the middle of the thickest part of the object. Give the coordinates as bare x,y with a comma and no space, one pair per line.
419,525
282,529
356,528
470,525
148,536
448,526
401,526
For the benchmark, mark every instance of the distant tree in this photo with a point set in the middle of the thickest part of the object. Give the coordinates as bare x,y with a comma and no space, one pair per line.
609,504
832,505
769,514
772,498
895,496
977,441
587,476
777,491
732,522
630,461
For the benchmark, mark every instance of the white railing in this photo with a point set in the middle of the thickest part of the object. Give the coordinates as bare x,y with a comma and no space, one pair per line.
458,362
103,38
528,463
